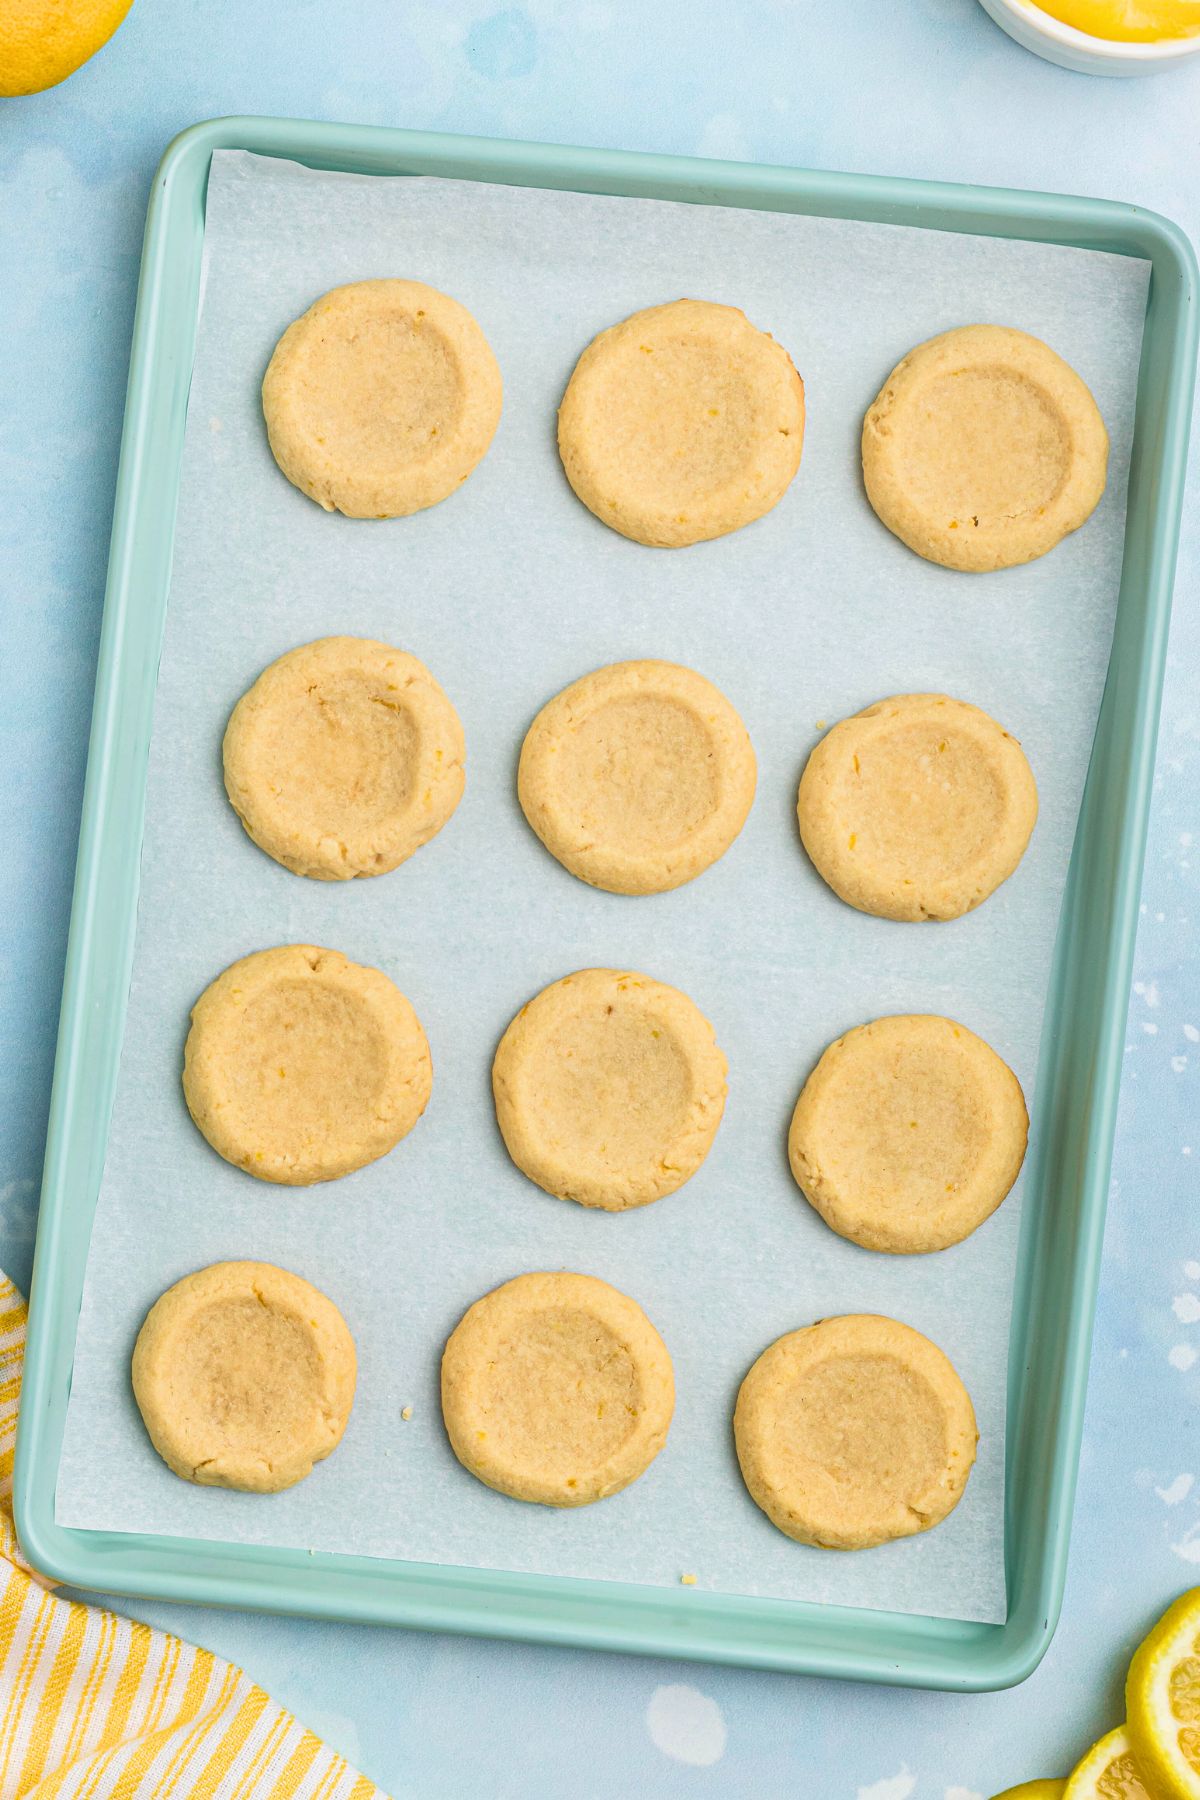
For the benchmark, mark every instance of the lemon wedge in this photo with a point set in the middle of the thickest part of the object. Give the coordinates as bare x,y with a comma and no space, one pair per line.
1034,1790
1162,1698
1108,1772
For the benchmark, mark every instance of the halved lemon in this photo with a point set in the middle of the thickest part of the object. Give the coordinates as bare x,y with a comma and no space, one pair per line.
1162,1699
1108,1772
1045,1789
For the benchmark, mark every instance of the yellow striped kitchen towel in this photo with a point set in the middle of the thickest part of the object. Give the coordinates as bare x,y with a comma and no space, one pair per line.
96,1707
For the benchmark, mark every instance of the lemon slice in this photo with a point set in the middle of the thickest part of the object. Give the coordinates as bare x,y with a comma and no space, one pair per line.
1162,1698
1034,1790
1108,1772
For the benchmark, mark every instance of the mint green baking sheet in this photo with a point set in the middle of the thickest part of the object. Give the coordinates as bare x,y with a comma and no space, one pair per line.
1063,1190
508,595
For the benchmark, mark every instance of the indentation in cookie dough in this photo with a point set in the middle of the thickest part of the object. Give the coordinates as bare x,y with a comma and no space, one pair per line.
917,808
301,1065
983,410
658,777
361,747
908,1134
381,398
288,1031
637,777
589,1411
276,1391
556,1388
681,423
609,1088
391,386
867,1421
344,758
854,1431
947,804
244,1375
614,1086
694,447
983,449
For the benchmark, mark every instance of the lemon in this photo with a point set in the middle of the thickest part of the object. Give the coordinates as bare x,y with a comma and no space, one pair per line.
1162,1698
44,41
1108,1772
1034,1790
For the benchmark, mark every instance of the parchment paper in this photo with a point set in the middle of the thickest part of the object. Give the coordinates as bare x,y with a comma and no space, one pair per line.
508,591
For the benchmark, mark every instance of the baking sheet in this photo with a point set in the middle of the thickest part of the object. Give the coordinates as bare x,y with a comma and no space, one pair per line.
509,591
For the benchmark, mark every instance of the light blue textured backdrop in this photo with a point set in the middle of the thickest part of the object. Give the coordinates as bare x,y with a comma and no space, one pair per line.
914,87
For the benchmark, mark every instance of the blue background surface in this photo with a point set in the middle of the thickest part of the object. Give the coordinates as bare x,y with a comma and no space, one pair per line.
913,87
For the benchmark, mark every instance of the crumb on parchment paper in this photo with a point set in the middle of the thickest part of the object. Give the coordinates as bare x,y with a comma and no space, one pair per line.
687,1581
406,1412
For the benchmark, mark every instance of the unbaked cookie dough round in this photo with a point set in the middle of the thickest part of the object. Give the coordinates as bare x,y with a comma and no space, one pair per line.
343,758
683,422
556,1388
609,1088
983,449
908,1134
301,1065
917,808
854,1431
381,398
244,1375
637,776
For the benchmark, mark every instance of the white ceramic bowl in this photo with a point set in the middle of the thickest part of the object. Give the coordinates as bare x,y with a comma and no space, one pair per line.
1078,50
